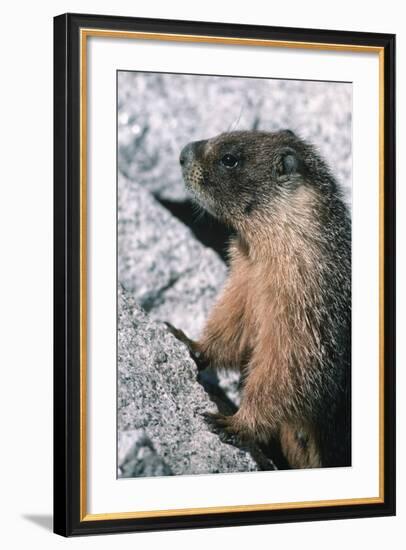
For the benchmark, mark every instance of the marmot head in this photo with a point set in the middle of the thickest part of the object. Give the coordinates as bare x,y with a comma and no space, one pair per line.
250,174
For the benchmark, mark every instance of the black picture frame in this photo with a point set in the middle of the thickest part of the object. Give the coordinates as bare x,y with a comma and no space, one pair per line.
67,351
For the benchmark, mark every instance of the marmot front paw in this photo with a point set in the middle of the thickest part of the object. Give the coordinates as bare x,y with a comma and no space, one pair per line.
195,354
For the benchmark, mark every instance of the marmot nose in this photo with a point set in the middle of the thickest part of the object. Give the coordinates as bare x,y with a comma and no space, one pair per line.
186,154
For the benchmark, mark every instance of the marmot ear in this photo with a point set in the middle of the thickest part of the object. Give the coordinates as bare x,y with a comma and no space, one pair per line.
289,162
287,132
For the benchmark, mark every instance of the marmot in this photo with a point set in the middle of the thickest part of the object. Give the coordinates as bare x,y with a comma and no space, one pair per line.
284,316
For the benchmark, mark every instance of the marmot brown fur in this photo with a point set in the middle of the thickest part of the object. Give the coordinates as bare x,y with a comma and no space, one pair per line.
284,317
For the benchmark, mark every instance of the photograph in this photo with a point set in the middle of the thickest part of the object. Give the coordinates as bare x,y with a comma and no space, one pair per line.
234,200
200,221
224,274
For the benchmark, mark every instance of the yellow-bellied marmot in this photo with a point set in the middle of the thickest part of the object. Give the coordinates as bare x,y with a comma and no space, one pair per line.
284,317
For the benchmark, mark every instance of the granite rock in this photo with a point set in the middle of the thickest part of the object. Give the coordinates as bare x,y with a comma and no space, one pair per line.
137,456
168,272
161,427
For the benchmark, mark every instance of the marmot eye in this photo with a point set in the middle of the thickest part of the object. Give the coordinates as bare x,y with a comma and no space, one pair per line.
229,161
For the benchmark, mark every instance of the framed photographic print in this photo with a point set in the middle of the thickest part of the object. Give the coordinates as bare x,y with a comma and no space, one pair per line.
224,274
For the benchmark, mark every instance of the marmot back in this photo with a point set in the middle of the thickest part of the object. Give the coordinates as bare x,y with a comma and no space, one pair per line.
284,317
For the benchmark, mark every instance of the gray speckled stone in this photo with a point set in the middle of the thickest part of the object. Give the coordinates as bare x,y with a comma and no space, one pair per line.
137,456
166,270
160,405
160,263
159,113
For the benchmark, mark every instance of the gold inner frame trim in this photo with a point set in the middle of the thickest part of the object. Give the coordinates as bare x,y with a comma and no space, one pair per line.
173,37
